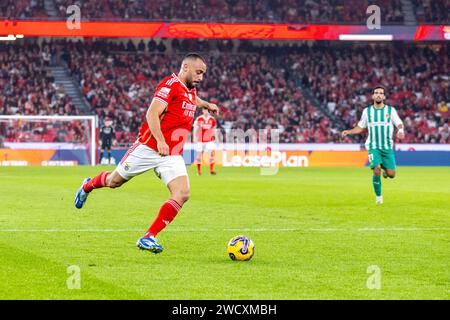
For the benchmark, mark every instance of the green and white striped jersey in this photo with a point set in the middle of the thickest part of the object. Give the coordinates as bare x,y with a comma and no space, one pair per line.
380,124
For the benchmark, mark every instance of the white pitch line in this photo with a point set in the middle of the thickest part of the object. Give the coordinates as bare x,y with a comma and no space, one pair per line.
390,229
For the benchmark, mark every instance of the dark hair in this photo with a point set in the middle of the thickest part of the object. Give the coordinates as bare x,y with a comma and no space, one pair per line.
379,87
194,56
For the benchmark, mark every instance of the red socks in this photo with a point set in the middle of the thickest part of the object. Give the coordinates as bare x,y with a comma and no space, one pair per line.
165,216
98,181
199,167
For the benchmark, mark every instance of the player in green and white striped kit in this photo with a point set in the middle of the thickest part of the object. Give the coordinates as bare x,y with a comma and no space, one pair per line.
379,119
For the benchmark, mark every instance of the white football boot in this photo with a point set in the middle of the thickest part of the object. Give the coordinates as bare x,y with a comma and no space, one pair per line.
379,200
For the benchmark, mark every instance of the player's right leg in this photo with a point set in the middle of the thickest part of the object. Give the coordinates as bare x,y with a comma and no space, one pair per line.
118,177
377,184
375,164
104,179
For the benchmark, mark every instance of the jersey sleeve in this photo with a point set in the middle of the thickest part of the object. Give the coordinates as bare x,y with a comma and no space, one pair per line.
165,92
395,118
363,121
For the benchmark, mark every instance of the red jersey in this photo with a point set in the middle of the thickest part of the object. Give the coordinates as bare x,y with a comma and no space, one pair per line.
177,118
206,126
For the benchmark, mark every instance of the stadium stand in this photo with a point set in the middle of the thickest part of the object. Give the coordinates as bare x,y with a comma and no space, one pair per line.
279,11
290,11
22,9
309,96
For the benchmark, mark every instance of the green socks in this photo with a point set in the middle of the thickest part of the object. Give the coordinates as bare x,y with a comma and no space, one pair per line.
377,185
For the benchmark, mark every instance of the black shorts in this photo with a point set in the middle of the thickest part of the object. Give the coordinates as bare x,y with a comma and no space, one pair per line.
106,144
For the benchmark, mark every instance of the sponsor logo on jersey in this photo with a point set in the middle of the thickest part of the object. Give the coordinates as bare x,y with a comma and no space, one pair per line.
189,109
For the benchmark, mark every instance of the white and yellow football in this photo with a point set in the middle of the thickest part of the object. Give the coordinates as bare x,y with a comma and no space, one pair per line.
241,248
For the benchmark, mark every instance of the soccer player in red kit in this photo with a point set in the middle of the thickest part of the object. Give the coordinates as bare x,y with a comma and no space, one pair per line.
204,137
159,146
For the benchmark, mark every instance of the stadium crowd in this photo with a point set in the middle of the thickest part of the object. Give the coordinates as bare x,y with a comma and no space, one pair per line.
28,88
26,84
436,12
289,11
416,79
308,92
253,93
22,9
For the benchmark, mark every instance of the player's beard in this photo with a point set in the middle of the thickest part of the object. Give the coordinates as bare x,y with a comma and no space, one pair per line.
190,84
379,101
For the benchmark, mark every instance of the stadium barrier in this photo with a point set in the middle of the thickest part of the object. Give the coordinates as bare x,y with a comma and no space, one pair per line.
210,30
322,155
237,155
44,154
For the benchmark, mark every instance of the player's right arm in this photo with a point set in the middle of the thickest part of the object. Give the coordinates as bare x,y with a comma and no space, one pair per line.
154,113
355,130
362,125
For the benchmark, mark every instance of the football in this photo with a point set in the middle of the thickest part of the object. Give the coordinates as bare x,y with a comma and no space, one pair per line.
241,248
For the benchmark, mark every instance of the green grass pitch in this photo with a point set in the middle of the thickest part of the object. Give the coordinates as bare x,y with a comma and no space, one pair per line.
317,231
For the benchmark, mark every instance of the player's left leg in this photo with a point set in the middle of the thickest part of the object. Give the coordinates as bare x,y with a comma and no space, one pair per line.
109,153
389,164
389,173
212,162
174,175
198,161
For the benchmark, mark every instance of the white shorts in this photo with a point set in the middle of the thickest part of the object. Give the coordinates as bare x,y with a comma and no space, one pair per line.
205,146
140,158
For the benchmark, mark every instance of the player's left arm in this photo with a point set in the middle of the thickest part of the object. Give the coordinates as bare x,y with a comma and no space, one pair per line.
195,133
399,124
212,107
216,131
